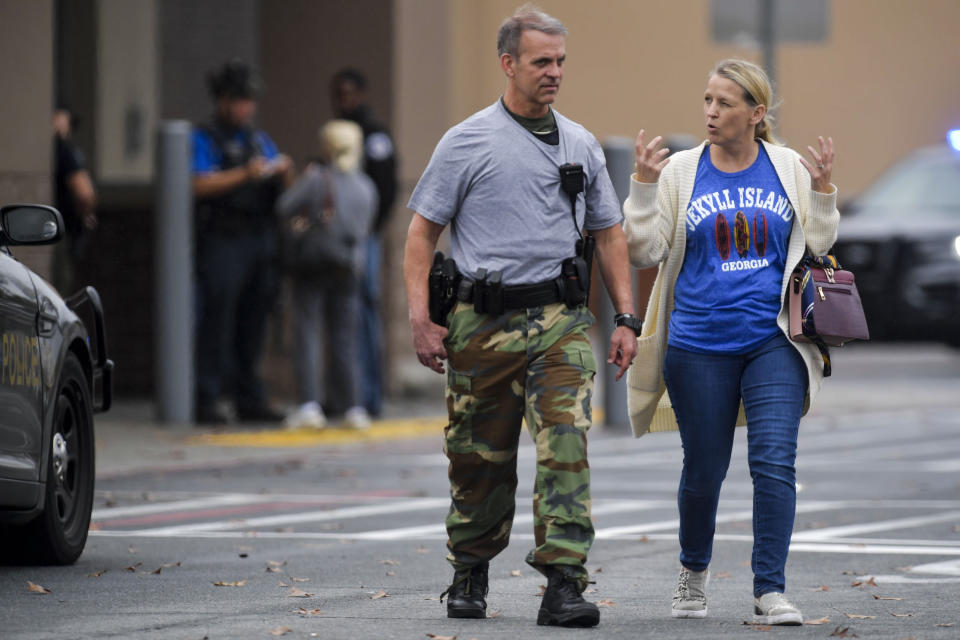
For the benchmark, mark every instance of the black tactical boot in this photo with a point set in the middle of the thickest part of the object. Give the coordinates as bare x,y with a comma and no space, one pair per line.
563,605
466,596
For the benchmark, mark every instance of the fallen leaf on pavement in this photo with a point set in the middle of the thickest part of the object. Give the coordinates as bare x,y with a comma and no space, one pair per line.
432,598
822,587
765,627
281,631
281,583
170,565
270,569
543,589
391,573
515,573
300,579
876,597
857,616
902,615
390,562
97,574
598,570
843,632
156,571
132,549
643,539
860,583
494,614
276,563
606,603
590,591
133,568
238,583
298,593
380,594
311,612
823,620
36,588
945,624
435,637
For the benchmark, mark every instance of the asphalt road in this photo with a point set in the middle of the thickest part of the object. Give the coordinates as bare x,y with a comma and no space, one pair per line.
347,540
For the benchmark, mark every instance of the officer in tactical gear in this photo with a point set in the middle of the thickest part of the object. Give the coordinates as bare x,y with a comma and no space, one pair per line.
516,182
238,175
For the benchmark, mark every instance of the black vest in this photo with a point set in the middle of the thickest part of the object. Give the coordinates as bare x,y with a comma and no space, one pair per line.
247,208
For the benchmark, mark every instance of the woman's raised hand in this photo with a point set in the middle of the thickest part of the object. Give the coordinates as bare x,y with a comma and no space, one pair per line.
650,160
822,166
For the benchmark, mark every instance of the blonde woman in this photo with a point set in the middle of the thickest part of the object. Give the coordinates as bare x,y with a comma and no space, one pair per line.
727,222
331,208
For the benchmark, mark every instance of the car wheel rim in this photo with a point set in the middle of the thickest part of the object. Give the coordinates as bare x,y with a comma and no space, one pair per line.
65,459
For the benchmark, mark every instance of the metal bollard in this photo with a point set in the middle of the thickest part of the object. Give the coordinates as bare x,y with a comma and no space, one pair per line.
174,299
619,154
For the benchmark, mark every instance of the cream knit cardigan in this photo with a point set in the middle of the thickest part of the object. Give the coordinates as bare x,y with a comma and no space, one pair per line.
655,226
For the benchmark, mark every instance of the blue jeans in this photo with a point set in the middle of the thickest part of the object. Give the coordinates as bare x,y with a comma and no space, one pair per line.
370,340
706,390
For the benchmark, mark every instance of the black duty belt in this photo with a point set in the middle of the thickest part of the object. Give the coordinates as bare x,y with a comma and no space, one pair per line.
521,296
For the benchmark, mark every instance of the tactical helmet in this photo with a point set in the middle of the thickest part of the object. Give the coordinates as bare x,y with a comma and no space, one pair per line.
235,79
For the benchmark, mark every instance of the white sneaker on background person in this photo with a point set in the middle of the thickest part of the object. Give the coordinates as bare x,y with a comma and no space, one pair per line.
307,416
774,608
356,418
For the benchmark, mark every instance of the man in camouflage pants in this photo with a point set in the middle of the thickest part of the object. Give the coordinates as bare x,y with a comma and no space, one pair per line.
518,351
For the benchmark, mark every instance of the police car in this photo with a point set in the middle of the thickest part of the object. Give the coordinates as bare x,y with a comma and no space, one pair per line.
901,238
54,375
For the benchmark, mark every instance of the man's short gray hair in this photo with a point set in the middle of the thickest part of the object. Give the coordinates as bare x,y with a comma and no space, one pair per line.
529,16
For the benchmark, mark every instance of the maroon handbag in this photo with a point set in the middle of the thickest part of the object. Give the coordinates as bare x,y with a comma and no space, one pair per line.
824,306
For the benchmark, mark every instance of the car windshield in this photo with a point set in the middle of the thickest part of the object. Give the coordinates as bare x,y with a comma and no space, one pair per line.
926,183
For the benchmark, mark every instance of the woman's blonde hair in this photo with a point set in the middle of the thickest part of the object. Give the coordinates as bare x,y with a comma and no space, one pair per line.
342,143
756,91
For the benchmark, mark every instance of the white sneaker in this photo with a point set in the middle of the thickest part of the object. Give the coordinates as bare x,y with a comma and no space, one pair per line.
690,596
308,416
356,418
774,608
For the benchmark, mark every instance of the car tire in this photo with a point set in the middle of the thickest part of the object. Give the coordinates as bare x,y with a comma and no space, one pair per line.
59,534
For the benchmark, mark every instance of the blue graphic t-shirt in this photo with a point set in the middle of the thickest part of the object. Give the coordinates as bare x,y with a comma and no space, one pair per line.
727,295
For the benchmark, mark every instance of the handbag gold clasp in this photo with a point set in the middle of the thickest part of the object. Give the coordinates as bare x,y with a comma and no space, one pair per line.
829,272
822,295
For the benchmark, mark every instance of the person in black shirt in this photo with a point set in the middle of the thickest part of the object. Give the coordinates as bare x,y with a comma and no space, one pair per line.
349,95
75,198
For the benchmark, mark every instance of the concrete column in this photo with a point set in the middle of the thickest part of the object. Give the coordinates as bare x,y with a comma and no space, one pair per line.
174,299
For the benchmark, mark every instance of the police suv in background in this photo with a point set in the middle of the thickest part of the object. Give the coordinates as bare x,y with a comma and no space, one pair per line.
901,238
54,374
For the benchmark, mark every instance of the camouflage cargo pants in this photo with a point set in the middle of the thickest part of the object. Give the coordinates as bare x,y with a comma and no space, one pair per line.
534,365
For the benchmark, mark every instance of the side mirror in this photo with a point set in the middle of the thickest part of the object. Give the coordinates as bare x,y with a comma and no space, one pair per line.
30,224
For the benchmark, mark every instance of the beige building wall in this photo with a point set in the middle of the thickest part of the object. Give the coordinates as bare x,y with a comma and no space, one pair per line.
128,94
26,104
883,82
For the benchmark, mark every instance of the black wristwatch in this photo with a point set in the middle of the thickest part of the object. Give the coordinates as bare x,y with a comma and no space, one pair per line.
628,320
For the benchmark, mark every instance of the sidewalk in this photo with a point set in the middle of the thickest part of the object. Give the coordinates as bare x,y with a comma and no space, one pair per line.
129,441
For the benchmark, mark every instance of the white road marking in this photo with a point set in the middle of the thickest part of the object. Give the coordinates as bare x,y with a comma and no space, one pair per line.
736,516
870,527
227,499
522,519
418,504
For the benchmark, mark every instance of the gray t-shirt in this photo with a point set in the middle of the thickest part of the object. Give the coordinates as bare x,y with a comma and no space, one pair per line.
499,189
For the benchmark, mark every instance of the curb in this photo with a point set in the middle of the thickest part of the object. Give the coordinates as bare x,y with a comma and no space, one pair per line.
380,430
